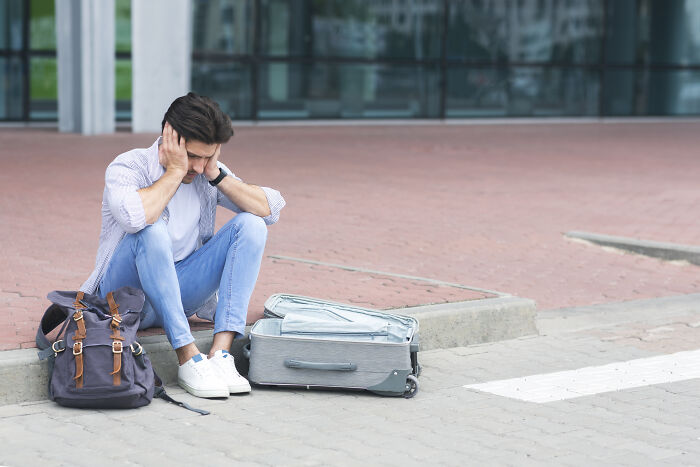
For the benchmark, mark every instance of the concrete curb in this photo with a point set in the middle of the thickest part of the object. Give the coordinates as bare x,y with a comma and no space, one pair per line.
473,322
24,378
606,315
662,250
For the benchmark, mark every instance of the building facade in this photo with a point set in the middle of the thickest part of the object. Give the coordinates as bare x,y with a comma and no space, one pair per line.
365,59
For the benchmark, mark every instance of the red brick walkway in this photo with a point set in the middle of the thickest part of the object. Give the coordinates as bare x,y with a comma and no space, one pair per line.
479,205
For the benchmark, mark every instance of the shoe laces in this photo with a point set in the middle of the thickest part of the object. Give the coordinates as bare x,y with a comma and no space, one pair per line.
228,359
204,369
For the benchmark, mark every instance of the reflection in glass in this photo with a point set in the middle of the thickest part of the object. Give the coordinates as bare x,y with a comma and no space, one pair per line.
11,88
622,31
43,89
653,31
42,25
352,28
224,26
674,92
525,30
122,90
674,32
477,92
11,24
521,91
348,91
227,83
122,25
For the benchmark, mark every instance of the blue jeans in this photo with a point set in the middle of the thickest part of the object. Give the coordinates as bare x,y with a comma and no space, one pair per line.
229,262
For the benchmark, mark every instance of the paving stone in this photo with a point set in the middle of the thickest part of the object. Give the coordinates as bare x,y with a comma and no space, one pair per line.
445,424
508,236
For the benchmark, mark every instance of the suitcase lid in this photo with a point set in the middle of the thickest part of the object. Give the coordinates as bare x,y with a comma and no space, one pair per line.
314,313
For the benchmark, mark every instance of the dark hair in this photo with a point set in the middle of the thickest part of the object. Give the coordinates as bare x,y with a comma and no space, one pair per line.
198,118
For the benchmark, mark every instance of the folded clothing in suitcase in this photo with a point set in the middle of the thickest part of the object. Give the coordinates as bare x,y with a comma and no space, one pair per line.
316,343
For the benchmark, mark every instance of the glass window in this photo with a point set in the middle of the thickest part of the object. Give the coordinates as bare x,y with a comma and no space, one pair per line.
43,89
653,31
122,65
477,30
42,25
122,91
11,88
122,26
11,24
674,32
223,26
521,91
477,92
673,92
622,30
227,83
324,90
351,28
525,31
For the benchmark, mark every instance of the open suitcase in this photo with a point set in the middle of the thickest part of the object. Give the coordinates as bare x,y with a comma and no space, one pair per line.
316,343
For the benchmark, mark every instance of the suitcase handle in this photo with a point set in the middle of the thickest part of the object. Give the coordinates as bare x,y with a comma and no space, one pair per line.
297,364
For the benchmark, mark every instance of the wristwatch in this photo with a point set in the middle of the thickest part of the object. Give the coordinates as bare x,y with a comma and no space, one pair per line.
218,179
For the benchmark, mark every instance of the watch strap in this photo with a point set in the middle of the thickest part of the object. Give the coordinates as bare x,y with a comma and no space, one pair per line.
218,179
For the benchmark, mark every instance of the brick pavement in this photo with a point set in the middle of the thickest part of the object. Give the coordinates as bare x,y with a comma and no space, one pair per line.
477,205
445,424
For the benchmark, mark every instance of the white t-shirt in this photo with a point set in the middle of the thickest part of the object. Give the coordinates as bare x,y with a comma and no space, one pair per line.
184,209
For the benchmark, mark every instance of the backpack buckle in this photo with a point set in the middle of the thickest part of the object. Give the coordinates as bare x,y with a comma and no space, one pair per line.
114,347
57,350
136,351
78,315
77,348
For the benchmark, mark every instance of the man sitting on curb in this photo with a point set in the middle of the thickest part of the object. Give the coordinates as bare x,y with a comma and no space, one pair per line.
158,212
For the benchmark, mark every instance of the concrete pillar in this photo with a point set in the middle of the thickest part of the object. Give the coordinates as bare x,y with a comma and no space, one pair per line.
85,56
161,49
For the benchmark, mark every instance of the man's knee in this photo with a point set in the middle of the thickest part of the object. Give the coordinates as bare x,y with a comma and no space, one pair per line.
154,238
252,228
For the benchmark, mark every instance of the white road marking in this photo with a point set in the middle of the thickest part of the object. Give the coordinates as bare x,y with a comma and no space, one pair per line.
591,380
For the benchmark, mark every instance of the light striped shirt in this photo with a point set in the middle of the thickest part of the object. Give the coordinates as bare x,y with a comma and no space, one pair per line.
122,210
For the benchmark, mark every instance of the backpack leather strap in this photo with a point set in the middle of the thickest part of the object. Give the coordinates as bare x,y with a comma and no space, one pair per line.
78,337
117,340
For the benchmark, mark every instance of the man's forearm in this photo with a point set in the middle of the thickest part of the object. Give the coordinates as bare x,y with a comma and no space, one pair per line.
158,195
250,198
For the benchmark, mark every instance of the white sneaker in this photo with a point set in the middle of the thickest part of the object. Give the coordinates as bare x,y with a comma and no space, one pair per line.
198,377
222,361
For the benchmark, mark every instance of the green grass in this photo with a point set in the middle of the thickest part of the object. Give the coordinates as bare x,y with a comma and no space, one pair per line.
42,25
43,81
123,80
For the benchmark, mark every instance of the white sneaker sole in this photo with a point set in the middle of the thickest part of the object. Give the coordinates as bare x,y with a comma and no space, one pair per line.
218,392
239,388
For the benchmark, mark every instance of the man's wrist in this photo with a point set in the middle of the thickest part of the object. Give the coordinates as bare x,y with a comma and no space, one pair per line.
175,172
218,179
212,177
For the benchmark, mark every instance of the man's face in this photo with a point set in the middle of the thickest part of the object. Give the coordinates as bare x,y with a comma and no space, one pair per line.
198,154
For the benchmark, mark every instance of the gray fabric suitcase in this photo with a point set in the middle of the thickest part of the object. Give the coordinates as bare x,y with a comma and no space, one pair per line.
316,343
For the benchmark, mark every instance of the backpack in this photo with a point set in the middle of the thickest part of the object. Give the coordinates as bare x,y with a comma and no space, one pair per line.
96,361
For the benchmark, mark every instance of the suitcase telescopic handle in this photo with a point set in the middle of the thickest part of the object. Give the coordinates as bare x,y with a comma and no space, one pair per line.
298,364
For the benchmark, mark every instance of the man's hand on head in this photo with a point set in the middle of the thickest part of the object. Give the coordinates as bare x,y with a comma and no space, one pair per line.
211,170
173,155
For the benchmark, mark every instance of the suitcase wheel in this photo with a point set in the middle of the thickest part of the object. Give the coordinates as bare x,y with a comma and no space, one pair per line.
411,386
